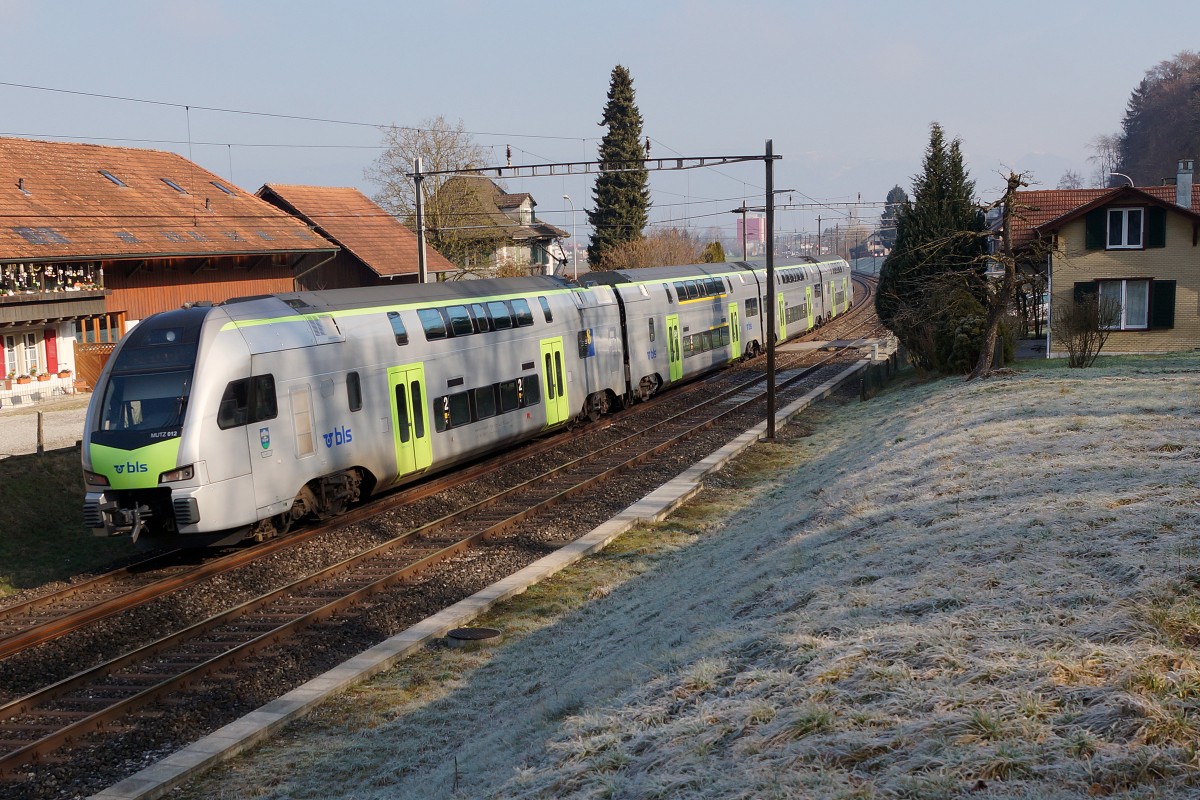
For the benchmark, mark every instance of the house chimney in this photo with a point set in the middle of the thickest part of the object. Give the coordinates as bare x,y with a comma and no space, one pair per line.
1183,184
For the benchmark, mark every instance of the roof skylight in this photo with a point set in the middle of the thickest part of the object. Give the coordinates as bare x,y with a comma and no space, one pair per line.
224,189
174,185
112,177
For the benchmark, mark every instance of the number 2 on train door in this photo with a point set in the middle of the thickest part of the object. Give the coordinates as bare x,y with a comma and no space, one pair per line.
410,428
674,348
558,406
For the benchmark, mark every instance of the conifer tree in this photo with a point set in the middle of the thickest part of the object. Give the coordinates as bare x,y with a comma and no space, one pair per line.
926,285
621,198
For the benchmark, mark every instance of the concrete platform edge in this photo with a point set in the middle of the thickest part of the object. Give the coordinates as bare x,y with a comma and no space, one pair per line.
159,778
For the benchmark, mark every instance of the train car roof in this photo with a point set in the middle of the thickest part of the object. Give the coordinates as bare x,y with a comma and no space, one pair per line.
332,300
617,276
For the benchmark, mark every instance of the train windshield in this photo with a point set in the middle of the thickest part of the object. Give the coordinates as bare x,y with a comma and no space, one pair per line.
146,402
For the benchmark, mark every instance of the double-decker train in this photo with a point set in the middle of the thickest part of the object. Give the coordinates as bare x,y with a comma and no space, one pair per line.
215,423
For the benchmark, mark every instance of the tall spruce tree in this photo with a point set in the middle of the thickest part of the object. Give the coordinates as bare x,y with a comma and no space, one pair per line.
621,198
928,284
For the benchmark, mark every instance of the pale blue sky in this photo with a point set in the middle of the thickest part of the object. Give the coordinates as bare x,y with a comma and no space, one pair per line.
846,90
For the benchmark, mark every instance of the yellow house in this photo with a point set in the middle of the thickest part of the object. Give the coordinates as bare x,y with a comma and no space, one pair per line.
1138,246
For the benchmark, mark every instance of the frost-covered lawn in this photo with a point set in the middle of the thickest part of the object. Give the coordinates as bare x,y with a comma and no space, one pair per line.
985,589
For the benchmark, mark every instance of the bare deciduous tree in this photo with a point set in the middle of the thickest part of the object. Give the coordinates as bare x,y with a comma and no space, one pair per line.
660,248
1106,155
1083,326
440,147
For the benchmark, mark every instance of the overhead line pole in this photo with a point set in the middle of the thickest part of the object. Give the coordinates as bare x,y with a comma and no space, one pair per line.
771,327
651,165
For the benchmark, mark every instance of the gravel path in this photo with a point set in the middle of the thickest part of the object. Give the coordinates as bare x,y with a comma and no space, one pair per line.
62,425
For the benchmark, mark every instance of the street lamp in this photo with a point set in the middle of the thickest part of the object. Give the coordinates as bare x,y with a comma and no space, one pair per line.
1122,175
574,241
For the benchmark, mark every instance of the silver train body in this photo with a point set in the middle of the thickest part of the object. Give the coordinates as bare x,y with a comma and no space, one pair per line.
211,424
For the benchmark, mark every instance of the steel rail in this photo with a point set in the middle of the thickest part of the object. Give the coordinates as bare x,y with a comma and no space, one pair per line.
99,719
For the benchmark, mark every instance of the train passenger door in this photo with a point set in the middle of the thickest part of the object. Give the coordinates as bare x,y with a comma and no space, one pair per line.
558,406
674,348
832,299
410,427
808,303
781,318
735,331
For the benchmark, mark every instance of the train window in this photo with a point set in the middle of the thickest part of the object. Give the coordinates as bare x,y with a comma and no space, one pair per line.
715,286
529,390
652,329
509,400
558,373
546,309
667,289
460,321
692,291
455,410
235,405
501,316
523,314
398,327
263,404
418,408
752,307
730,284
550,374
354,391
432,322
485,402
483,323
402,426
680,290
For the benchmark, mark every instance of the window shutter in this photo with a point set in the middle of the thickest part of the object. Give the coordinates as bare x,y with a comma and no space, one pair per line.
1095,229
1162,305
50,336
1084,288
1156,227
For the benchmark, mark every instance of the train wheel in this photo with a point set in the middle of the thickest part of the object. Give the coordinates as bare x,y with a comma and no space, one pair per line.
597,406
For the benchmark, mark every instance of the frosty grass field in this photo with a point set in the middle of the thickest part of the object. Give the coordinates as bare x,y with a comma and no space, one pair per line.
982,589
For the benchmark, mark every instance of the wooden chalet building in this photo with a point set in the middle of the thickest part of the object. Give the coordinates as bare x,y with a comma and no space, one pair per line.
376,249
95,238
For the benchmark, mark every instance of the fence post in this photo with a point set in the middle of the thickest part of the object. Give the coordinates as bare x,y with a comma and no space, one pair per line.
41,441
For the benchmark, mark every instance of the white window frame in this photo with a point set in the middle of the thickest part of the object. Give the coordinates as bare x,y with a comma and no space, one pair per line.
1122,229
1123,324
30,347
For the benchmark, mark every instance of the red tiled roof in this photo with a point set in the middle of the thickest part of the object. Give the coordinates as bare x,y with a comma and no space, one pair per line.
57,204
352,220
1039,208
513,200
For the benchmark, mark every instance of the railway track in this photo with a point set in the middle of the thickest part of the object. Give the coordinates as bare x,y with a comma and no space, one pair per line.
35,728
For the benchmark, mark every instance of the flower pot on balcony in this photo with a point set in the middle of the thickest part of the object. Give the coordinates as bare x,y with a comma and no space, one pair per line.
43,377
64,373
23,379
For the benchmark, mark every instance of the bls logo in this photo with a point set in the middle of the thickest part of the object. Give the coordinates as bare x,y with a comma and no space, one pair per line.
338,436
131,466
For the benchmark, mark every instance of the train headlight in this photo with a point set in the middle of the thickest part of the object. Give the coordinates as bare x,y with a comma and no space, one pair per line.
181,474
94,479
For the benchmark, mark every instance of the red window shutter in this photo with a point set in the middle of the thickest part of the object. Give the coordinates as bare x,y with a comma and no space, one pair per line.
3,366
51,337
